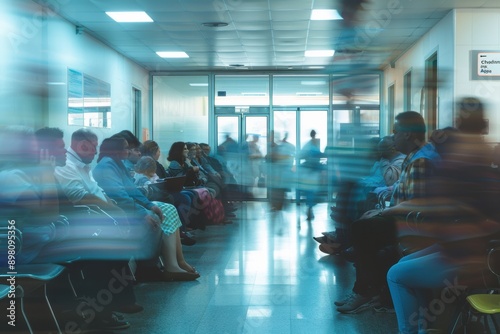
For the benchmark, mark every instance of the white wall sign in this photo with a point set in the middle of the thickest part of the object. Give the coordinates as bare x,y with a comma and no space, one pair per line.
488,64
484,64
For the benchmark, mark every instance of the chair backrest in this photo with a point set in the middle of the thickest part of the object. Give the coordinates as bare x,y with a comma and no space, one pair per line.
494,261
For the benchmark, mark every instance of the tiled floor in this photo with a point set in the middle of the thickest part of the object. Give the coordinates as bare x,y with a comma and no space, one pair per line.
261,274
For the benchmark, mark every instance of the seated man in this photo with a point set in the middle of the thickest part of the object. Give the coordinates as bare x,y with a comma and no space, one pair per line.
376,230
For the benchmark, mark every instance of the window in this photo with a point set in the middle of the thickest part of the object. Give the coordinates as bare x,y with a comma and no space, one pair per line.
89,101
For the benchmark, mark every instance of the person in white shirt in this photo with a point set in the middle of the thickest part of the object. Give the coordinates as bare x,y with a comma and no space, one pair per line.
75,178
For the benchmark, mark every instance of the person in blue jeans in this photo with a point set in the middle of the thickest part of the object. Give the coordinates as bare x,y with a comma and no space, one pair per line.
457,220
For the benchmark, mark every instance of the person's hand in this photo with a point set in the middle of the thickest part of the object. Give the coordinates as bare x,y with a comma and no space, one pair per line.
153,221
196,169
158,211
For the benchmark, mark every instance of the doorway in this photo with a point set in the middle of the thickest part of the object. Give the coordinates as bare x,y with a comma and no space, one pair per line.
293,126
242,139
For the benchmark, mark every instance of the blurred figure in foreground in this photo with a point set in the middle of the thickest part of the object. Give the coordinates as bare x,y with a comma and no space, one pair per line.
355,198
456,223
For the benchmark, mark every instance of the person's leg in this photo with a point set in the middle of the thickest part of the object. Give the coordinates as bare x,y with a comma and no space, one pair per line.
169,253
180,255
410,282
369,237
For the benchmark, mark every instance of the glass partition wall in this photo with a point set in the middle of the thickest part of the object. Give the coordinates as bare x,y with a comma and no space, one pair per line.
243,117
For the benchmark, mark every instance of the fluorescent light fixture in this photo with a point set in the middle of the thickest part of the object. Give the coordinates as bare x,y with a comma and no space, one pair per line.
319,53
172,54
313,83
130,16
325,14
198,84
316,67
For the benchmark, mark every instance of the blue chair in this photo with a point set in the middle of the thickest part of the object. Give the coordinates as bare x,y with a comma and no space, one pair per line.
28,277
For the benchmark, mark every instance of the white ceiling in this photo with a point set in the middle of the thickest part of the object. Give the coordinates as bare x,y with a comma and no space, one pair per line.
262,35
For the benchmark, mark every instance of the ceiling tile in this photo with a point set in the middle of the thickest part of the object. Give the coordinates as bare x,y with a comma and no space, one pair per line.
267,33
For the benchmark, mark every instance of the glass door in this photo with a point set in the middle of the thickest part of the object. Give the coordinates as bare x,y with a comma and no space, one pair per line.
242,142
292,127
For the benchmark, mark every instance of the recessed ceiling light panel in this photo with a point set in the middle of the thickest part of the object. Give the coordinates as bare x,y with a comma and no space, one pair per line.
172,54
325,14
130,16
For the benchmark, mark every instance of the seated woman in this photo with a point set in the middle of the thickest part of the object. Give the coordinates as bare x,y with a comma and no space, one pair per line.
113,178
205,197
151,149
145,174
212,182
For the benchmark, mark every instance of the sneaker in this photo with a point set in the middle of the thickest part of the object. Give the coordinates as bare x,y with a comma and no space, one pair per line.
321,240
357,304
345,300
330,235
331,249
110,323
384,309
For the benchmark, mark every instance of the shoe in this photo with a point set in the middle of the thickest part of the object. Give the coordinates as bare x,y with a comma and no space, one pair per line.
384,309
187,241
331,238
331,249
179,276
357,304
130,308
321,240
110,323
345,300
330,235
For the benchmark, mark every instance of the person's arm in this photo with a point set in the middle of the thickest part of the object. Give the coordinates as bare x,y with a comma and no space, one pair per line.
175,169
110,179
441,218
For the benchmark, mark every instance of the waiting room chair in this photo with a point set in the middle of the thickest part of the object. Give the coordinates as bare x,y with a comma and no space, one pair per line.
28,277
481,309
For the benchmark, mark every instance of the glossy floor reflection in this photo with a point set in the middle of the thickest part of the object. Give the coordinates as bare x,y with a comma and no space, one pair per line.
262,274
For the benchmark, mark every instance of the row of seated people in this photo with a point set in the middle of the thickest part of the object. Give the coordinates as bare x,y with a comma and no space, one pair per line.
416,256
109,222
201,199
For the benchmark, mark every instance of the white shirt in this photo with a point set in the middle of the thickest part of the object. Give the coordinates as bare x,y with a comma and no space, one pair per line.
76,179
